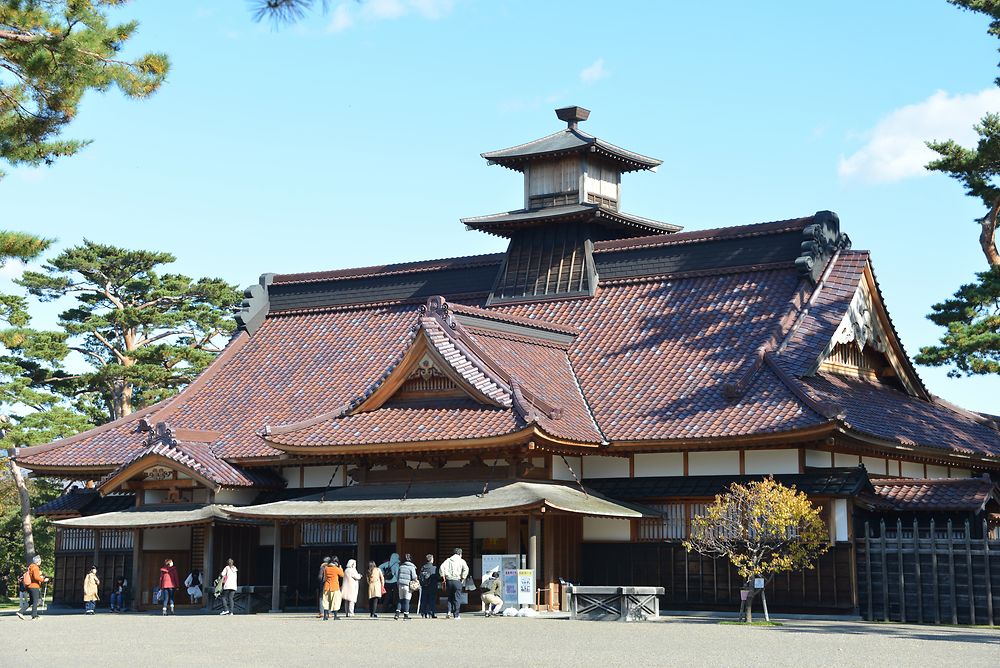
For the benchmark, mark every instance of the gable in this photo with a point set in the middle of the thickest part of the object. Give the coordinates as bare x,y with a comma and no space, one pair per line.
864,343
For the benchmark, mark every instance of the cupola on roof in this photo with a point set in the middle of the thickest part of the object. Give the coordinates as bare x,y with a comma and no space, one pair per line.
570,141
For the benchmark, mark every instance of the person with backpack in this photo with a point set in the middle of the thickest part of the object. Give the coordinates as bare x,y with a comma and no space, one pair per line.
228,575
332,572
118,594
168,583
91,585
193,584
376,587
493,592
390,573
32,580
429,581
407,583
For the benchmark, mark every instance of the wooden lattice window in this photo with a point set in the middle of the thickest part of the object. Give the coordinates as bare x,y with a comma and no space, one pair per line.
116,539
329,533
75,540
672,526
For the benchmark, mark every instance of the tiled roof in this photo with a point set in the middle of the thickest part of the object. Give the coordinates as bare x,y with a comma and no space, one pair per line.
828,482
887,413
946,495
825,312
488,362
80,501
646,358
202,460
501,223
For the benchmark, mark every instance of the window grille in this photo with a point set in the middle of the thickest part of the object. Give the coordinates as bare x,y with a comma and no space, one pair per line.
71,540
329,533
670,527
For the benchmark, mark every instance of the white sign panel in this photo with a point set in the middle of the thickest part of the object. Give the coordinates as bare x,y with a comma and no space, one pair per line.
526,587
507,565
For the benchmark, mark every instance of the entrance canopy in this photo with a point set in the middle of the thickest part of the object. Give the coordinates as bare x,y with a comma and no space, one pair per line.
149,517
504,497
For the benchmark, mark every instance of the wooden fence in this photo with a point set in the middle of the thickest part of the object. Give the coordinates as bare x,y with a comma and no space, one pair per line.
927,574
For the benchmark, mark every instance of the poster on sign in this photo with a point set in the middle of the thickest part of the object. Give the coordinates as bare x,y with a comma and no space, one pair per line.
507,564
510,586
526,587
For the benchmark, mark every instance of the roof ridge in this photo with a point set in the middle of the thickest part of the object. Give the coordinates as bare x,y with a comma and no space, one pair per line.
713,233
391,269
500,316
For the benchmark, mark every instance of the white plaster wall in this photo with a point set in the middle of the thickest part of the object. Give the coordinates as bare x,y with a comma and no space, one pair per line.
819,459
772,461
235,497
960,473
492,529
605,529
913,470
171,538
154,496
934,471
319,476
659,463
841,459
714,463
840,521
538,462
559,470
420,527
455,463
199,495
266,536
605,467
875,465
895,467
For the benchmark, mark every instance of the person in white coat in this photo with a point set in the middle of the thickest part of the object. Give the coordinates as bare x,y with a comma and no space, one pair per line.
229,577
349,589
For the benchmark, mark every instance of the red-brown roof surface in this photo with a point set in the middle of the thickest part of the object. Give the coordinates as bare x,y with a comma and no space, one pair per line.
945,495
650,356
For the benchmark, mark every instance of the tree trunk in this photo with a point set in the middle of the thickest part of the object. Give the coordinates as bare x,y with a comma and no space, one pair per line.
122,404
22,492
749,609
987,235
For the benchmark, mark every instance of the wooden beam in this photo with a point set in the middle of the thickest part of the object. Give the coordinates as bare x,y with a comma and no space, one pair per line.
181,483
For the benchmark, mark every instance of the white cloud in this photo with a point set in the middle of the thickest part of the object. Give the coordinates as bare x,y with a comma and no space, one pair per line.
348,14
896,149
595,72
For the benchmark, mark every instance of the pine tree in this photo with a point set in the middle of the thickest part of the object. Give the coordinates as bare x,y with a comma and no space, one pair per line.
51,53
30,414
144,333
972,316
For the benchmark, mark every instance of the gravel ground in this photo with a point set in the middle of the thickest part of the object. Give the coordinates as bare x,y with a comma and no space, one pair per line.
289,640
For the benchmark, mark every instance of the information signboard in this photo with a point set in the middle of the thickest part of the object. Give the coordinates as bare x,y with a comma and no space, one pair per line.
526,587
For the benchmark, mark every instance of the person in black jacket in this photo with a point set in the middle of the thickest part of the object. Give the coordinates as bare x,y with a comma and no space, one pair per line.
429,580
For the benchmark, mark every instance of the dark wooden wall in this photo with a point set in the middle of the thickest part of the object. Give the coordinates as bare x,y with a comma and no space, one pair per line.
929,573
696,582
70,568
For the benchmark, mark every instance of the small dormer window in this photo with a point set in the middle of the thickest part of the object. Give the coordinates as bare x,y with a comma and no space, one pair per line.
554,183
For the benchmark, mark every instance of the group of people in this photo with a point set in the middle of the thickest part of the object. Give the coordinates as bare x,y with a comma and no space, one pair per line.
393,582
225,587
392,585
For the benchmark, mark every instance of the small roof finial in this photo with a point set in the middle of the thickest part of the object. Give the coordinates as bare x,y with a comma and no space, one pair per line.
573,115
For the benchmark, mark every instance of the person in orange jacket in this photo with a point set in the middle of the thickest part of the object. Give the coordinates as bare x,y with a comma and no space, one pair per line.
33,581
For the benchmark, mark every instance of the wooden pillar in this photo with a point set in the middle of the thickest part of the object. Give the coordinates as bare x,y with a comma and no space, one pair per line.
208,547
362,545
533,530
514,536
276,571
97,551
400,536
136,569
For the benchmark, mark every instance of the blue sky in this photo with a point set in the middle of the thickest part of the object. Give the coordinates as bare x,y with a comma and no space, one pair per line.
353,138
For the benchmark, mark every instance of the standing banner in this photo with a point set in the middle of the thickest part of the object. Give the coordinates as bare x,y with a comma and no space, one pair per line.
526,587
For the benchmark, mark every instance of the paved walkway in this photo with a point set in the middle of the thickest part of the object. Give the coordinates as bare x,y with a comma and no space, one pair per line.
298,639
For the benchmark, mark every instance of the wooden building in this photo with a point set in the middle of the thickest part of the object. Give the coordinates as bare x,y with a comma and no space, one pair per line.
575,399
